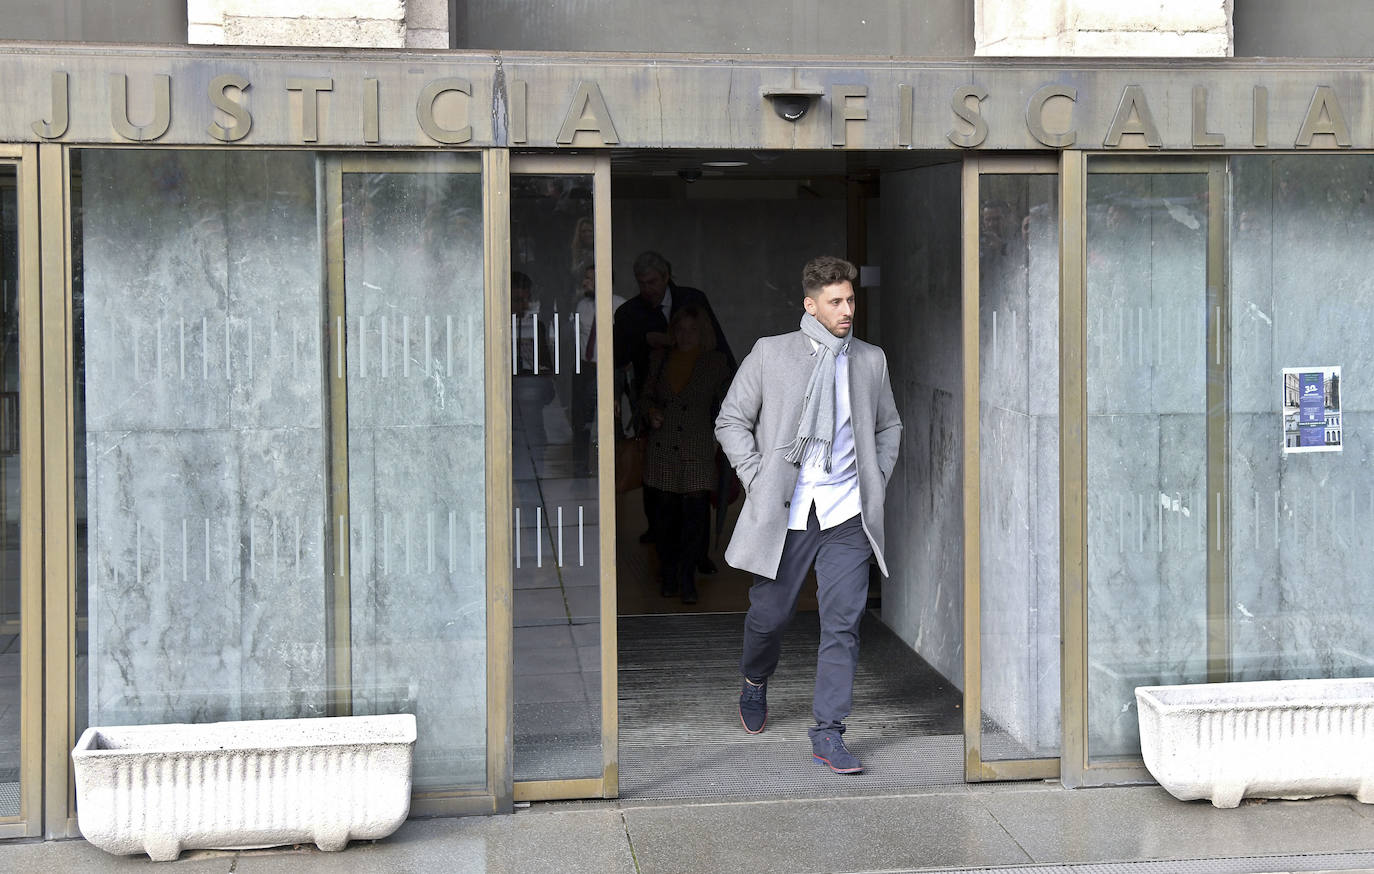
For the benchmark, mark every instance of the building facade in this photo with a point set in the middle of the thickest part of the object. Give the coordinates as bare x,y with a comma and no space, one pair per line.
280,440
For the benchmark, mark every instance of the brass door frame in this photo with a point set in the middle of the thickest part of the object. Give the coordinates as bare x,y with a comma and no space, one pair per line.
495,796
1076,767
599,168
29,821
59,499
975,768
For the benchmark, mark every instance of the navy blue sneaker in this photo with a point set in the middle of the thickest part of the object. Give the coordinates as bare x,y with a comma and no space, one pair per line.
753,706
828,748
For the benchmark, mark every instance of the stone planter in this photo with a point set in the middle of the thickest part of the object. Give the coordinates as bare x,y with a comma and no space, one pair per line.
161,789
1271,739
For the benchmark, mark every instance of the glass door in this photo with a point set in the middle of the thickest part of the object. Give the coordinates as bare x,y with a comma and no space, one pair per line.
563,507
1011,468
409,613
21,620
1144,519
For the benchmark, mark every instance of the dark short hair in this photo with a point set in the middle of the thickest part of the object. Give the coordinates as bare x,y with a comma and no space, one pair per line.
826,270
651,260
520,279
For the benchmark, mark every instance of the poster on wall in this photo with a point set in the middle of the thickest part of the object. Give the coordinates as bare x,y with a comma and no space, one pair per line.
1312,409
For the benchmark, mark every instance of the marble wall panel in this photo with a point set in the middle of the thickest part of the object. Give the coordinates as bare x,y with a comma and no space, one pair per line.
1045,616
1300,296
414,287
153,245
416,395
1146,443
1004,293
280,494
1147,568
165,629
1019,368
1042,238
275,290
1255,373
1146,284
1006,570
418,588
923,599
1257,514
200,300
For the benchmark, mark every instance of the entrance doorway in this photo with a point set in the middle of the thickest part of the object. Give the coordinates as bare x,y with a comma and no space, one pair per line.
625,688
739,227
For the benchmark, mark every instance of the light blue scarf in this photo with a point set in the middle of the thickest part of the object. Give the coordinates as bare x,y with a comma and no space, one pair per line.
817,424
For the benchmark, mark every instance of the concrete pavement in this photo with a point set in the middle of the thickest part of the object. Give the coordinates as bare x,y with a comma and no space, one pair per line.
1138,829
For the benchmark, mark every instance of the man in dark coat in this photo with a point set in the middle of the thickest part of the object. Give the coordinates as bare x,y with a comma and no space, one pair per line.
641,325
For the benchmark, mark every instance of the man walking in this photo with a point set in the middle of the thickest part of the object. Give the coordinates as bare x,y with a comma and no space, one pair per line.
811,428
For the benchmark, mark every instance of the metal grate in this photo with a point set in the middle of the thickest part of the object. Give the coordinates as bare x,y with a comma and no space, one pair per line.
680,735
9,799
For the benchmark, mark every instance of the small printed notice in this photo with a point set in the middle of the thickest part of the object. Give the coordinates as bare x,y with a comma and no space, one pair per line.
1312,409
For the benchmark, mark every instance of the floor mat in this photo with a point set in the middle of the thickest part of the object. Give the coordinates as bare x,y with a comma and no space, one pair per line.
680,735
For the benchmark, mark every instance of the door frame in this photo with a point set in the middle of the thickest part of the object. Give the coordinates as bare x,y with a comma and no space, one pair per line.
976,769
1077,767
598,166
28,822
494,796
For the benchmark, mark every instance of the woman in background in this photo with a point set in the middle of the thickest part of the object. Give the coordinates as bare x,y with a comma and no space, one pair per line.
686,384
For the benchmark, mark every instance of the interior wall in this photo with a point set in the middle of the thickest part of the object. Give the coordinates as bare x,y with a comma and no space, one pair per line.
923,600
747,255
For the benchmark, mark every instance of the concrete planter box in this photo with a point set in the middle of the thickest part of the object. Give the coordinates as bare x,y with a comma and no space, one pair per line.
161,789
1271,739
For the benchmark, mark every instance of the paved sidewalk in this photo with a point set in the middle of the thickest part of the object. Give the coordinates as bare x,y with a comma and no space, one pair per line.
1039,825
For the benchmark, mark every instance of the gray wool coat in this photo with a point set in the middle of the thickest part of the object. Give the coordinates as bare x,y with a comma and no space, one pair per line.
758,422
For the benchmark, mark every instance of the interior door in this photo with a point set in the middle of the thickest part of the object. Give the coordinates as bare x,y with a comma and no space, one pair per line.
562,474
1011,468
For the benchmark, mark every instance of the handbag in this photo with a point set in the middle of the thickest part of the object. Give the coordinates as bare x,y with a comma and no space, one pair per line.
629,464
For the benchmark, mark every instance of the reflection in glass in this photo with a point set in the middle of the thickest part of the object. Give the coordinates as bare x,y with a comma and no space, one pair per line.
413,283
1147,525
557,515
11,625
1018,270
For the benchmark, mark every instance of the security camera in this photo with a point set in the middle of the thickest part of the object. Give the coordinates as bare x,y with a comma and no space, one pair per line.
689,174
791,105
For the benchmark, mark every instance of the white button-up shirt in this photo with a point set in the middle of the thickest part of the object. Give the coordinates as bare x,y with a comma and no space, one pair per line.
835,495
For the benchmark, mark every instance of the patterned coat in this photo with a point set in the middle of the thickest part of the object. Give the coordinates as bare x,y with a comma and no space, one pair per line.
680,455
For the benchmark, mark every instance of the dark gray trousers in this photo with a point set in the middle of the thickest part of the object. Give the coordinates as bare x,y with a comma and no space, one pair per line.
840,555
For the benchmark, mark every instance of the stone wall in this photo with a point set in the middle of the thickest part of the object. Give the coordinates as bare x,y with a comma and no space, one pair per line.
1088,28
923,601
1019,464
337,23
